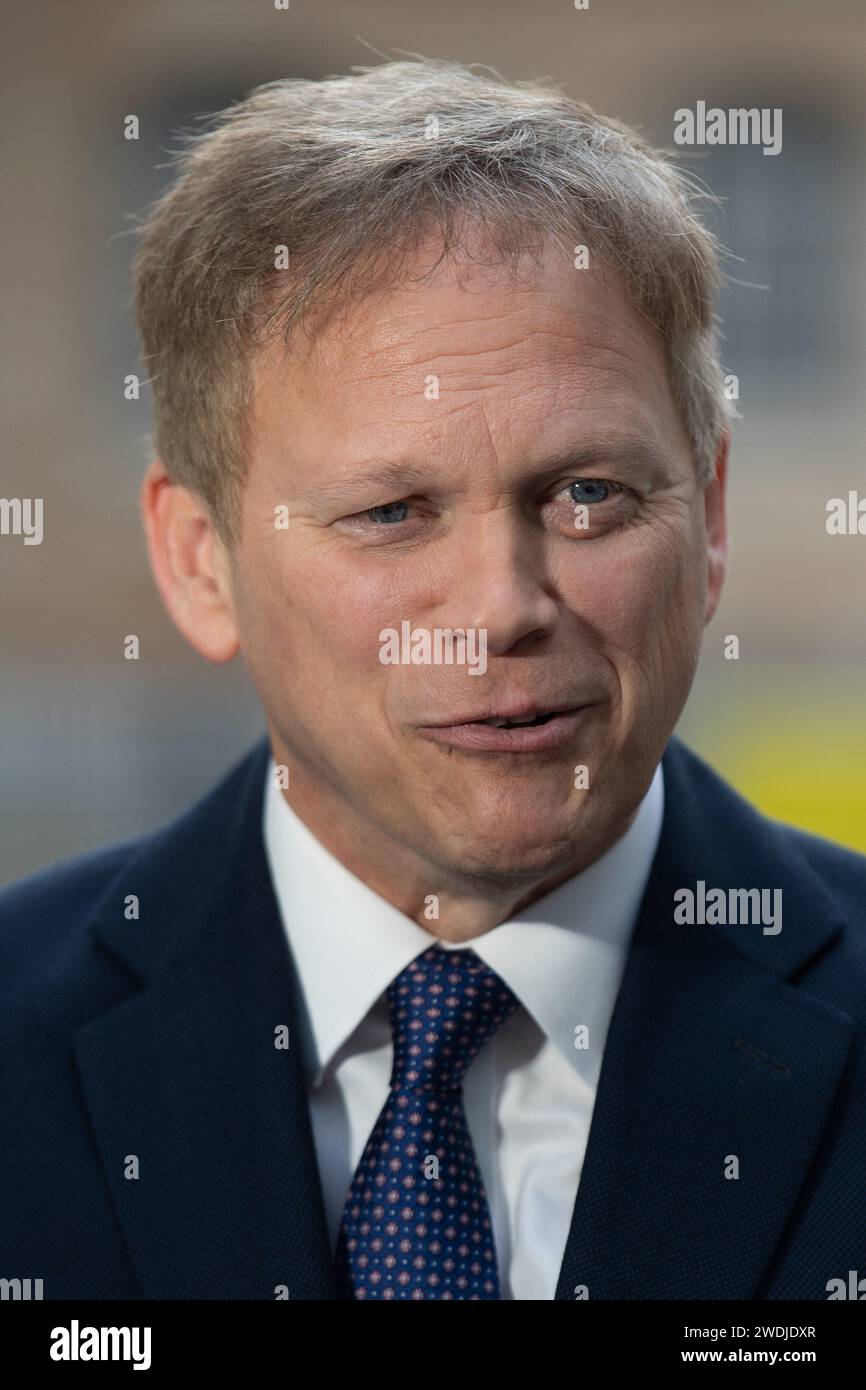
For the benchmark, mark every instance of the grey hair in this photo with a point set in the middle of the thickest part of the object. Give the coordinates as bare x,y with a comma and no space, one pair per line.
350,173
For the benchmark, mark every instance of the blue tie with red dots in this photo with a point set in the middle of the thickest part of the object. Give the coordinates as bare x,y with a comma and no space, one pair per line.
416,1223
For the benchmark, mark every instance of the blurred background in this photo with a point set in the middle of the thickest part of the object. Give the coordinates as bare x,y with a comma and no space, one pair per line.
95,747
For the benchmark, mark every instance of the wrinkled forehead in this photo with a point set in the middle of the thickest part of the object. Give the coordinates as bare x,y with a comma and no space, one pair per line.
453,325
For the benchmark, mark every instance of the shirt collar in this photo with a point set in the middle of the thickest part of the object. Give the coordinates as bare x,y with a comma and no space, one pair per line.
562,956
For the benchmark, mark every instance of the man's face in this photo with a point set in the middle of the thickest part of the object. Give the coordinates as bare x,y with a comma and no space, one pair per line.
537,485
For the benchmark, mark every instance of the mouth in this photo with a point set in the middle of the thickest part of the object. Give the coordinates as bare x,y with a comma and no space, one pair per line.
522,730
497,721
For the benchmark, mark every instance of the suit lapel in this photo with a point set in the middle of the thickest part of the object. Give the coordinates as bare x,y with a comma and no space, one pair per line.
184,1074
711,1056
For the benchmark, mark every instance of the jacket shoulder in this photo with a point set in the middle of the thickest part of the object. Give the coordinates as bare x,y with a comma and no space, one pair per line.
841,868
823,875
44,918
42,914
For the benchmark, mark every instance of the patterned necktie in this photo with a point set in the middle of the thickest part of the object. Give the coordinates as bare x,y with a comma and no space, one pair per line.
416,1223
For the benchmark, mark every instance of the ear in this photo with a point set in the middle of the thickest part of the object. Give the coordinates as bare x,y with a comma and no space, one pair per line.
190,564
717,527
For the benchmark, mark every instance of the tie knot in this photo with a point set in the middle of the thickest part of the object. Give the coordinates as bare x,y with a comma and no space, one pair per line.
444,1007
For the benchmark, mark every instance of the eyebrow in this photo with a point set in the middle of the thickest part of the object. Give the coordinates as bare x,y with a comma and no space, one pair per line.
401,476
383,474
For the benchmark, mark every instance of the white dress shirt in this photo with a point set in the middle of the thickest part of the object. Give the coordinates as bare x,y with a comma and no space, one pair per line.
529,1094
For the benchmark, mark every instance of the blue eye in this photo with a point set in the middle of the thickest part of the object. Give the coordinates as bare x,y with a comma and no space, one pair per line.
590,490
386,513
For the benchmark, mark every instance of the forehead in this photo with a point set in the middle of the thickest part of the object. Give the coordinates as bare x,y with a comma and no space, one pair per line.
468,331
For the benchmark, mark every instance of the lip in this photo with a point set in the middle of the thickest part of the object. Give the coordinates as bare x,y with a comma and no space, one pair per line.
558,732
527,710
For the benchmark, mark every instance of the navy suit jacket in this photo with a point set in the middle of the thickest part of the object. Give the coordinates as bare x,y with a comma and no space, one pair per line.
155,1038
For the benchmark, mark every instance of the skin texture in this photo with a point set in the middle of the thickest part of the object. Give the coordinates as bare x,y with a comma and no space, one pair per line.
609,617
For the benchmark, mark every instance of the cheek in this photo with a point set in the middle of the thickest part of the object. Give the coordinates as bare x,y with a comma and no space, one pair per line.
345,598
645,600
316,616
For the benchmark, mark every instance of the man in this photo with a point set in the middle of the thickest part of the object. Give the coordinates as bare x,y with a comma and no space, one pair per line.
469,982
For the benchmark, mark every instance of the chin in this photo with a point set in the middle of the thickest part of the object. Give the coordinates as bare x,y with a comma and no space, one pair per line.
513,853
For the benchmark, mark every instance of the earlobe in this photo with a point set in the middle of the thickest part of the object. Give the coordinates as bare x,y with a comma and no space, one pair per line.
189,565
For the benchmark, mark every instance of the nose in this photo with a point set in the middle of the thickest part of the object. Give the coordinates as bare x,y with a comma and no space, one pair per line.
501,584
